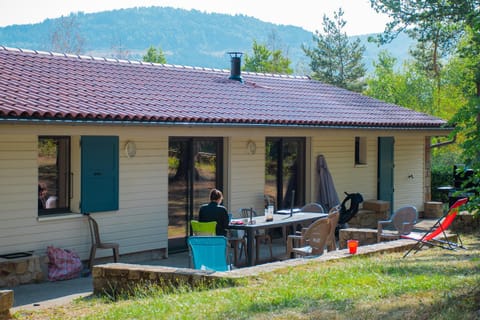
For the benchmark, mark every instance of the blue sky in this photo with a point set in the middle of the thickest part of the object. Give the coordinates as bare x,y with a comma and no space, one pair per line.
361,19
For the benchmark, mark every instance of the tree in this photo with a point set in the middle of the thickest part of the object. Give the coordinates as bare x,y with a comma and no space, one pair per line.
408,87
266,61
384,83
335,59
422,16
155,56
66,35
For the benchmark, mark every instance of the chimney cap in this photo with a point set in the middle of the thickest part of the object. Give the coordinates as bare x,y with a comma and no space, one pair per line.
235,54
236,70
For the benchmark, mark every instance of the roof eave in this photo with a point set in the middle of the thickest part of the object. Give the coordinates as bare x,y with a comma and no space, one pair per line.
442,127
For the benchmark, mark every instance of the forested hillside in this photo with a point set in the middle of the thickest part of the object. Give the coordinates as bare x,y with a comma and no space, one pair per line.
187,37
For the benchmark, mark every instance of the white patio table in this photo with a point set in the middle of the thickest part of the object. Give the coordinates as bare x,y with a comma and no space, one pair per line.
279,220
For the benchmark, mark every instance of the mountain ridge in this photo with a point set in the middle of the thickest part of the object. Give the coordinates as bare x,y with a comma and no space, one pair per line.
187,37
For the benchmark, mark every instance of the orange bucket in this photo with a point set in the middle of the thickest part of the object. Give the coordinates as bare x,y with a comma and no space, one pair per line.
352,246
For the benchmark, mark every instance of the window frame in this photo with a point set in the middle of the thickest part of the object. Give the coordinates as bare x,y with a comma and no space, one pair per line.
281,142
360,157
67,175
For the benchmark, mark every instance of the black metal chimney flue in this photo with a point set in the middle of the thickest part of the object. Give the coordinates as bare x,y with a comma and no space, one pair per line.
236,64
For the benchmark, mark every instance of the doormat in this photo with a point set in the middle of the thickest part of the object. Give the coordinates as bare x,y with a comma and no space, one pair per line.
16,255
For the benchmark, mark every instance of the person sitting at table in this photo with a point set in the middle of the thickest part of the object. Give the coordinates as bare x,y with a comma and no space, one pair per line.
214,211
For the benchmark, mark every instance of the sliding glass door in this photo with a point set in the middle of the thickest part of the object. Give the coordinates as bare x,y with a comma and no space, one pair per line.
194,168
285,171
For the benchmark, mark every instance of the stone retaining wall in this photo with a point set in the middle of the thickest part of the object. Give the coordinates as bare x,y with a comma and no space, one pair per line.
120,278
466,222
23,270
364,236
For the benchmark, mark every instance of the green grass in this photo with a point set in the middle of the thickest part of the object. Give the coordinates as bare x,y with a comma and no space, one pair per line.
432,284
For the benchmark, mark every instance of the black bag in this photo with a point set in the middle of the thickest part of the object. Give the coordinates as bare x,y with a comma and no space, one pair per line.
346,214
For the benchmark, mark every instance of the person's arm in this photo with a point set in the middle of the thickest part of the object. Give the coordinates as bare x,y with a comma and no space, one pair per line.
225,220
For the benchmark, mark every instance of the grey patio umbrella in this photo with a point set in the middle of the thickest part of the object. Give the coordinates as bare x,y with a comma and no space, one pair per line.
327,195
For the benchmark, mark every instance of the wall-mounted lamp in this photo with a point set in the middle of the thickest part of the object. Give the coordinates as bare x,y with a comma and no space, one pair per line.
410,176
251,147
130,149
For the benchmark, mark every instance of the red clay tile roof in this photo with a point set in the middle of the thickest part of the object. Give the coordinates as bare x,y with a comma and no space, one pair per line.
48,86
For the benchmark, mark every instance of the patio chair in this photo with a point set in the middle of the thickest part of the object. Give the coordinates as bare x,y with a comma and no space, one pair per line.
97,242
312,207
260,235
333,216
311,241
238,243
439,228
309,207
203,228
401,222
209,252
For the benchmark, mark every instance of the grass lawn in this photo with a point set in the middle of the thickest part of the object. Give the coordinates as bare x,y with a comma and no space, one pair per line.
432,284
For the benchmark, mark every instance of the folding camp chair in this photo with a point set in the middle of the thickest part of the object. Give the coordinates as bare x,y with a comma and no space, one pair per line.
442,224
209,253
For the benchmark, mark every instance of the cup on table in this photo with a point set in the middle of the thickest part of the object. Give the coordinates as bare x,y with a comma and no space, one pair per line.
352,246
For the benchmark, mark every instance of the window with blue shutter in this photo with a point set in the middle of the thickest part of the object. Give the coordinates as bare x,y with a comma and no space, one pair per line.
99,173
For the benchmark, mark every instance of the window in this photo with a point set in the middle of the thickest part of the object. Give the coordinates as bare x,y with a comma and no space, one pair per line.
285,171
360,150
53,175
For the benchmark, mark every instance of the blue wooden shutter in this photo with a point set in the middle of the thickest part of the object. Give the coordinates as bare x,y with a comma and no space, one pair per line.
386,166
99,173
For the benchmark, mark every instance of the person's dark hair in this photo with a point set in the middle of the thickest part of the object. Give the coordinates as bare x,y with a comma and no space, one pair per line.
215,195
42,187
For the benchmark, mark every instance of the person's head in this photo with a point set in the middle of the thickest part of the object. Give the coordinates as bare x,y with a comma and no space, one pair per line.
216,195
42,190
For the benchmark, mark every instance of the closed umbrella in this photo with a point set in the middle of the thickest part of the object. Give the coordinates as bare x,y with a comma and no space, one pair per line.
327,195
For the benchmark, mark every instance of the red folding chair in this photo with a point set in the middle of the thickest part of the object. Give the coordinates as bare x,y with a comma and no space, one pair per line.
440,227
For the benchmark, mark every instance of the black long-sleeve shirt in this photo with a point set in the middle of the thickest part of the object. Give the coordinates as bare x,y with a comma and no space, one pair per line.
214,212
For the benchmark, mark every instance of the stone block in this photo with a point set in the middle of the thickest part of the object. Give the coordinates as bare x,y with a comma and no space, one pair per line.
376,205
25,278
364,236
21,267
12,281
366,219
466,222
134,274
6,302
39,276
432,209
97,271
7,268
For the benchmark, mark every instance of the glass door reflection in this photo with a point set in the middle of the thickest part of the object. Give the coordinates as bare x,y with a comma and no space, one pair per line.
194,168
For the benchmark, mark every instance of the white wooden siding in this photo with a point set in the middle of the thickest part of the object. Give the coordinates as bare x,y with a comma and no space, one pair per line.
247,174
409,168
339,152
141,223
